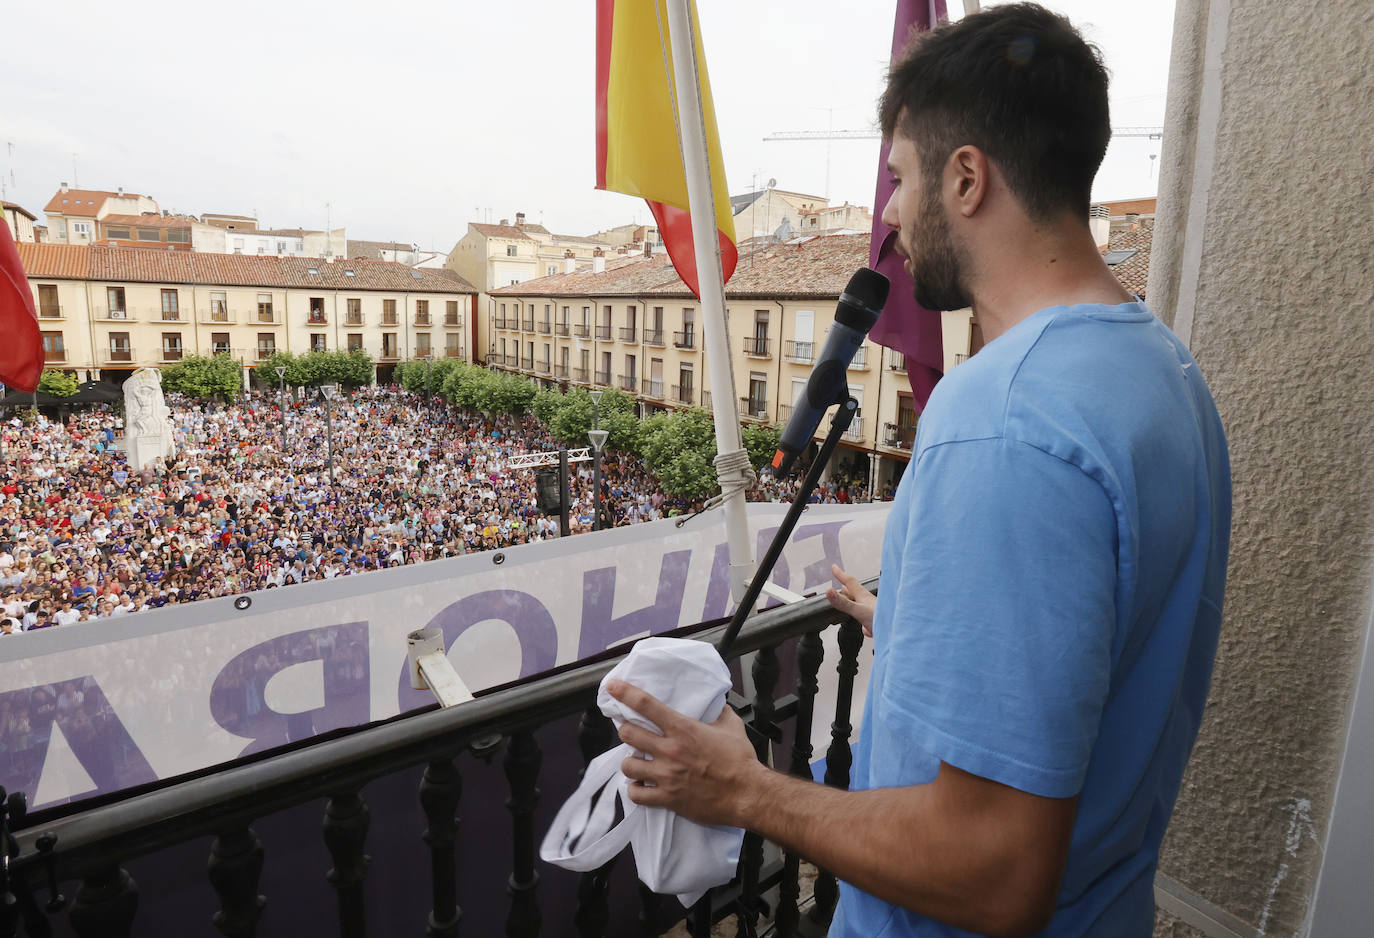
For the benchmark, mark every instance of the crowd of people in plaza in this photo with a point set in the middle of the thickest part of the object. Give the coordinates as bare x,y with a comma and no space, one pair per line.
243,506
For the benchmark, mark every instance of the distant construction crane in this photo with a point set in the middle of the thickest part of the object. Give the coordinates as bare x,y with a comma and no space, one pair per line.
788,136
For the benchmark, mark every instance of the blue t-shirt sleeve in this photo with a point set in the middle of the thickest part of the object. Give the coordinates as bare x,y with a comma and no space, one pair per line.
999,652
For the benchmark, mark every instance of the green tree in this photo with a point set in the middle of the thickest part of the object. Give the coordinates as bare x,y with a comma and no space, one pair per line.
265,374
679,449
761,442
204,378
546,405
511,394
57,383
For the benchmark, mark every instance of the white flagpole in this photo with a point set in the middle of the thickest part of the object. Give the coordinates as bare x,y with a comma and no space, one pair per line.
732,460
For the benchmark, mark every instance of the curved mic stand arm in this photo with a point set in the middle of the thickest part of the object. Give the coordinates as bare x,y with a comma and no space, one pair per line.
838,425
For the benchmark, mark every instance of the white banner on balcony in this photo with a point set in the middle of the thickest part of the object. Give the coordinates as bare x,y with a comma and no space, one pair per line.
98,707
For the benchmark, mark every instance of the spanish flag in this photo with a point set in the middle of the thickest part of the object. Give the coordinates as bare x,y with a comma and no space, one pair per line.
637,139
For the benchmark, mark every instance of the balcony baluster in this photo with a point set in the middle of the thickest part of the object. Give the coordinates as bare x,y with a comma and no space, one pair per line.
105,904
346,820
440,790
522,762
234,868
810,655
838,757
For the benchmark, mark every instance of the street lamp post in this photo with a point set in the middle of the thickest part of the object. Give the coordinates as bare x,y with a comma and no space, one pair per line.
281,402
598,438
330,391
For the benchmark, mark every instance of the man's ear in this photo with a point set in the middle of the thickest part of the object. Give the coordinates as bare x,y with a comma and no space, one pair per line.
969,176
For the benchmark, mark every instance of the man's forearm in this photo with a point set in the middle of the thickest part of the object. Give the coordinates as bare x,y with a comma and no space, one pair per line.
916,847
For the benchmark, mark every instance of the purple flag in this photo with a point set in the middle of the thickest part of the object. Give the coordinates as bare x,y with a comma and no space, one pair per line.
905,326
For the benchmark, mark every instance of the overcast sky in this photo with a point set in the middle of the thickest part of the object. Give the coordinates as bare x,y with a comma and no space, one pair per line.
411,119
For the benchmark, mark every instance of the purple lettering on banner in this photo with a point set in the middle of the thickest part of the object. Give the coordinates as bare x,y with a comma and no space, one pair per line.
238,698
818,573
83,715
600,631
525,614
718,602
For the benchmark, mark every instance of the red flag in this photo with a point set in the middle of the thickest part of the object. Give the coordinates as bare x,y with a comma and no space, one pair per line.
905,325
21,350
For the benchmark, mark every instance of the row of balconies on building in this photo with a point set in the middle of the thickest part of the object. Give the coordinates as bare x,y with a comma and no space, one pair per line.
258,317
895,435
119,355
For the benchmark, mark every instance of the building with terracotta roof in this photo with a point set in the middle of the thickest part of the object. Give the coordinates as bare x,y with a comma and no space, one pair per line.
1128,255
106,310
631,323
20,221
169,232
73,214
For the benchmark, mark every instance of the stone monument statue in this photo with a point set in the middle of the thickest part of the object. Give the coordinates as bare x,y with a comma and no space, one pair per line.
148,427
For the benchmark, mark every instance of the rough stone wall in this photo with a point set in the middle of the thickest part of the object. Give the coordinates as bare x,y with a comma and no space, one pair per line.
1279,302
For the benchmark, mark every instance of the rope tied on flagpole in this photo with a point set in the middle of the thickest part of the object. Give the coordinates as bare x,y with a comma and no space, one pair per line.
735,475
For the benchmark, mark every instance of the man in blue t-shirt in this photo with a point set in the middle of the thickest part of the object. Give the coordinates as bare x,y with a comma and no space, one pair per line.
1053,566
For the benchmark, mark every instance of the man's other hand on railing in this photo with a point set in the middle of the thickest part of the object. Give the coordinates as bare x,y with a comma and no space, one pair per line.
852,599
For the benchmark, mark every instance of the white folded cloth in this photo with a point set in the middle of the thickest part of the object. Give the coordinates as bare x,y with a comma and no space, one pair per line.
672,854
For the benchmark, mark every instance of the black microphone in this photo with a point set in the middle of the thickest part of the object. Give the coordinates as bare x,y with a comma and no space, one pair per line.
860,304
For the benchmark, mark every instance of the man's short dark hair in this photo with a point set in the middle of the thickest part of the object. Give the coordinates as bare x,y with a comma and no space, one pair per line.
1022,85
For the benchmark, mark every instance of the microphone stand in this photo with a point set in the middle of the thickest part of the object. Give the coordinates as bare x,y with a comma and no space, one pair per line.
838,425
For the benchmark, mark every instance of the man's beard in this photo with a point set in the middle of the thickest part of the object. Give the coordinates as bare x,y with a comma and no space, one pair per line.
935,261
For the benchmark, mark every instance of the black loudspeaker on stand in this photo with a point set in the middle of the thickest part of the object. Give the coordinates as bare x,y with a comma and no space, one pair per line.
838,425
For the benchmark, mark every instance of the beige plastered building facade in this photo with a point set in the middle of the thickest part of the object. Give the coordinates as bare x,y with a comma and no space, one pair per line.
630,323
103,311
1262,268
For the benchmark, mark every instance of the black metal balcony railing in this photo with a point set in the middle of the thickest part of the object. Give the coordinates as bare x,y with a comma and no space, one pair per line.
960,358
422,319
603,377
629,382
561,329
389,319
804,352
527,363
498,322
452,319
653,388
753,407
756,345
684,393
686,340
860,360
353,319
528,325
560,371
603,333
627,333
579,375
582,331
653,336
543,367
117,354
899,436
93,845
317,319
545,328
898,362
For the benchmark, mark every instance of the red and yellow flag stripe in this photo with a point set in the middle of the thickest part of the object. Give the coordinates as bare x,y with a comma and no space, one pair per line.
637,140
